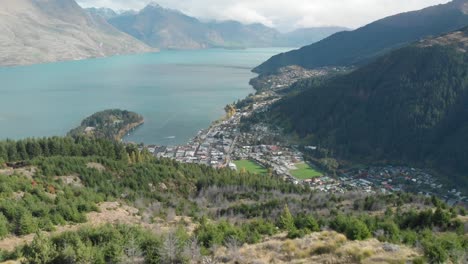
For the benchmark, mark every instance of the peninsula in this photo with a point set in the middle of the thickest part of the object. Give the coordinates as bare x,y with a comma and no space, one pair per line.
111,124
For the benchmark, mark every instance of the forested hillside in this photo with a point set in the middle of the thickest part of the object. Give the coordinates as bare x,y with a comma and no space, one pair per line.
49,183
363,44
408,106
110,124
52,182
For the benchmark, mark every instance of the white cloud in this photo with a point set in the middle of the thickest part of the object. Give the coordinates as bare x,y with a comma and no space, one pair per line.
284,14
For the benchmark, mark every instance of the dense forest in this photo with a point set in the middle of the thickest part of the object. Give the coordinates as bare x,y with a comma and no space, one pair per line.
407,107
228,208
110,124
363,44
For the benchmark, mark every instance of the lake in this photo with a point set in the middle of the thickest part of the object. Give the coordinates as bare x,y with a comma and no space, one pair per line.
177,92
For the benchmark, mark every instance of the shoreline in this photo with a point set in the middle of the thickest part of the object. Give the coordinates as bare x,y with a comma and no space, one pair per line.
124,131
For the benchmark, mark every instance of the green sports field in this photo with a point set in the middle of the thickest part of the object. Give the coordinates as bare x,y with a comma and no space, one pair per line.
305,172
250,166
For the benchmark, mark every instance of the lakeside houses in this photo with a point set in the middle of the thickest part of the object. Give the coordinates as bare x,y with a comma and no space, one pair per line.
388,179
223,143
288,75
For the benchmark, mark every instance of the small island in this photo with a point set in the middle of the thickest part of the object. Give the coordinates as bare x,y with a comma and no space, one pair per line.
111,124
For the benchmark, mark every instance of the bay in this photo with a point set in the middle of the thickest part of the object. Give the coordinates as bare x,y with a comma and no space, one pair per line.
177,92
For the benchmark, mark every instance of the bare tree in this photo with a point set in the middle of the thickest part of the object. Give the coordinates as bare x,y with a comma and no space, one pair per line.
233,249
209,260
170,249
133,253
171,214
192,251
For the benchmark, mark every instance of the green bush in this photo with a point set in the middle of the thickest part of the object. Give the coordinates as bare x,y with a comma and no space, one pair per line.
40,251
296,233
352,227
307,222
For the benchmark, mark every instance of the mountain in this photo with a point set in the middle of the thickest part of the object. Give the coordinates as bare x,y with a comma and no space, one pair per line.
234,33
170,29
363,44
166,28
305,36
37,31
106,13
408,106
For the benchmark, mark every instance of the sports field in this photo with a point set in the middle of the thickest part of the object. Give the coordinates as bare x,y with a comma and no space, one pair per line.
250,166
304,172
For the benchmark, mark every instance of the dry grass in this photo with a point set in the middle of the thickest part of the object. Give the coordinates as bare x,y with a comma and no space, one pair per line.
112,213
96,166
323,247
458,39
27,172
72,180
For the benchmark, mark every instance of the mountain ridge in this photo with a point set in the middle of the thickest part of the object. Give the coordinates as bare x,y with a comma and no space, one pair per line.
39,31
406,106
363,44
171,29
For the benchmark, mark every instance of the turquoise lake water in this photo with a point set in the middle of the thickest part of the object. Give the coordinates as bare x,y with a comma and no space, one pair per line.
177,92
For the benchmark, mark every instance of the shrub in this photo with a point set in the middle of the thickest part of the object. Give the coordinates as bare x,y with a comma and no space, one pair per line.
357,230
40,251
306,222
352,227
324,249
26,224
435,252
296,233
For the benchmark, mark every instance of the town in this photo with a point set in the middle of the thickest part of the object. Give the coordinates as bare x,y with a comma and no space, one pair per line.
264,150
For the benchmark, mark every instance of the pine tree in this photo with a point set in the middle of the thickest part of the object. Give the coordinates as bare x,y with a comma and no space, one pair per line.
133,158
41,250
21,149
3,226
138,158
287,220
128,158
26,224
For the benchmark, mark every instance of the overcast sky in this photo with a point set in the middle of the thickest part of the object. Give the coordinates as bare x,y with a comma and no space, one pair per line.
283,14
